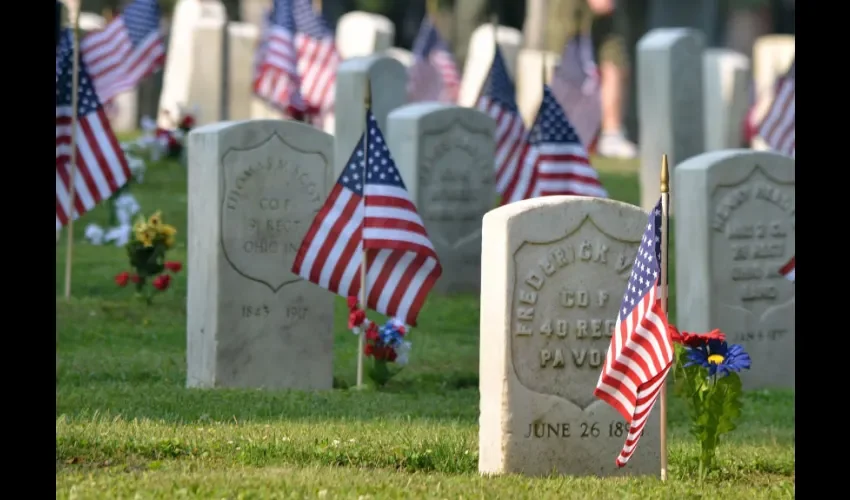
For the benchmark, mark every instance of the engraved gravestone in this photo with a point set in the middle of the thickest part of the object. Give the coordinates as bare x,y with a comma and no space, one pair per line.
670,103
735,227
557,268
254,188
445,153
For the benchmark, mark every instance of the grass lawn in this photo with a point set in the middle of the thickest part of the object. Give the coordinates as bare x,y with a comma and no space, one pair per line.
126,426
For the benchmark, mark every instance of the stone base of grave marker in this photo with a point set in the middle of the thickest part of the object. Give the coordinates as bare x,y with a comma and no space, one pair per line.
557,268
254,189
735,227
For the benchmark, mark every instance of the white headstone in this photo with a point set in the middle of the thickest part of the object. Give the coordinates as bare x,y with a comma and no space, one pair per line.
556,269
480,57
243,38
726,92
194,61
735,227
669,85
403,56
530,79
361,33
445,155
388,79
252,11
254,189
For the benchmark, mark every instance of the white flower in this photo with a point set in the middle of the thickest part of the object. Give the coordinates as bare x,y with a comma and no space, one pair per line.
356,330
119,235
126,207
94,234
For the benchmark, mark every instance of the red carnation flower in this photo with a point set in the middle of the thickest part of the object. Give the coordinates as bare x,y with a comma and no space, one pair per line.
161,282
173,266
368,350
187,122
121,279
372,332
391,354
694,340
356,318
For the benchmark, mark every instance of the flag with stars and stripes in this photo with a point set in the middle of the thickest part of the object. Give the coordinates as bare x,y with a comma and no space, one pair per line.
434,75
126,52
298,59
575,85
514,181
778,128
101,165
788,270
555,152
369,211
641,350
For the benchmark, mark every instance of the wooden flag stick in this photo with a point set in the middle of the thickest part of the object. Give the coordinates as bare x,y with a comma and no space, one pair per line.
361,339
665,216
75,83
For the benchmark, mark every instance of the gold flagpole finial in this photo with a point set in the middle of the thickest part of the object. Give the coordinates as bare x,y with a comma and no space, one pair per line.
665,175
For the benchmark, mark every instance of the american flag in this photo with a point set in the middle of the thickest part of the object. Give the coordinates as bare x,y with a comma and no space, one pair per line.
556,153
514,181
434,75
641,350
789,268
101,166
380,218
298,59
126,52
576,87
778,126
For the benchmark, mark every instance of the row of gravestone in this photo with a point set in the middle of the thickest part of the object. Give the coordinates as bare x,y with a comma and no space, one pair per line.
556,269
255,187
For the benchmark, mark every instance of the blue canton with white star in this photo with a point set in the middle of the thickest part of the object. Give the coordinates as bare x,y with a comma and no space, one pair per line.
380,167
428,40
298,15
551,124
88,101
141,19
647,268
499,86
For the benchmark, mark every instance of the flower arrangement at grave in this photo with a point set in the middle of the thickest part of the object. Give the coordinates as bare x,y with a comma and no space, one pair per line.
167,142
385,345
151,273
122,204
707,380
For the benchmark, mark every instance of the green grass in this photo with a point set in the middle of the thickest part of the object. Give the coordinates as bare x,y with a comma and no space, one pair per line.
126,427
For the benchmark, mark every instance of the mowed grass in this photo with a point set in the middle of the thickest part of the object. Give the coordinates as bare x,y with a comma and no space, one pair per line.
126,426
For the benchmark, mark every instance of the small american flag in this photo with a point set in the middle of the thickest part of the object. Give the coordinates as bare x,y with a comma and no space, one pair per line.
779,125
126,52
641,350
514,181
788,270
298,59
434,75
576,87
402,265
101,166
556,153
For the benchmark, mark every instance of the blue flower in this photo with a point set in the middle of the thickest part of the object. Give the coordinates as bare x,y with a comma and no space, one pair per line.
720,358
390,334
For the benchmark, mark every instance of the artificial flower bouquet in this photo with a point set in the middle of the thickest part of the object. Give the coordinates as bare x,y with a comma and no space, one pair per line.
167,142
385,345
146,250
707,380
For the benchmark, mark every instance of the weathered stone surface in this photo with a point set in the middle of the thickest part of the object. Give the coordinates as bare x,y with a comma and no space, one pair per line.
735,227
670,110
388,79
556,269
254,189
361,34
726,97
445,154
242,45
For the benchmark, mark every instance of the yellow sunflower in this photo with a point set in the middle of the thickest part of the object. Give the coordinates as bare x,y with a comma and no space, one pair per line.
155,219
167,231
